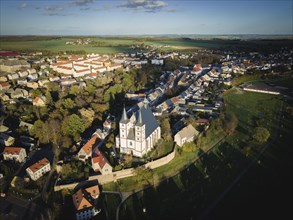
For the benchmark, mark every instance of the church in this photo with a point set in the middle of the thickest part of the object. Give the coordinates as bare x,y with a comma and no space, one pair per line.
139,133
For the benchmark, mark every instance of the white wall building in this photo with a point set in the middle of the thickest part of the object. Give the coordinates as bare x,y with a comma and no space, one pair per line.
17,154
38,169
139,133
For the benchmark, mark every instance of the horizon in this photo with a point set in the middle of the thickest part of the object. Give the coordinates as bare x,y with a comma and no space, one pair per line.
145,17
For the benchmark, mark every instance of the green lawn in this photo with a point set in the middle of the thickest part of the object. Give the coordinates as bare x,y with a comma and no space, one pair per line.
251,108
112,201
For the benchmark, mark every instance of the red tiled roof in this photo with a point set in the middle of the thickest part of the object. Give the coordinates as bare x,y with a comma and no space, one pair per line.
8,53
12,150
38,165
202,121
88,147
4,84
99,158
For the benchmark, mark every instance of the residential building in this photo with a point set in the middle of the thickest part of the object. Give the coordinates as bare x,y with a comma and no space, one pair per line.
187,134
6,140
39,101
100,162
139,133
86,151
38,169
84,202
17,154
4,85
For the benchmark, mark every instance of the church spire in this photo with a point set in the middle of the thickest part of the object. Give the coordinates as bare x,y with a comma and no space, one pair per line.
124,117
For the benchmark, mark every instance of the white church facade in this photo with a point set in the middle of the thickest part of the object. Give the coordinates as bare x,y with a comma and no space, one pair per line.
139,133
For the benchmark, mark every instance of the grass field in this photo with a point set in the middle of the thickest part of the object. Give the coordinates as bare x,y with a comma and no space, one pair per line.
189,193
113,45
57,45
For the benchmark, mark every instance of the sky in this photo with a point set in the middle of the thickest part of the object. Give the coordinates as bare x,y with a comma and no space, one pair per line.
140,17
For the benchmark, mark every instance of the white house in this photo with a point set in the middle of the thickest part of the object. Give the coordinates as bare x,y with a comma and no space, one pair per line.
84,202
6,140
38,169
100,162
157,61
187,134
17,154
139,133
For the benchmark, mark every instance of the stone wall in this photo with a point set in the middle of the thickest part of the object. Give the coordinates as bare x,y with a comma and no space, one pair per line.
103,179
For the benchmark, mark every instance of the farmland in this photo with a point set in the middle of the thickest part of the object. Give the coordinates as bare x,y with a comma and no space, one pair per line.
110,45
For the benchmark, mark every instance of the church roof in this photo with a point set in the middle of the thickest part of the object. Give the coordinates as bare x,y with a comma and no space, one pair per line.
124,118
144,116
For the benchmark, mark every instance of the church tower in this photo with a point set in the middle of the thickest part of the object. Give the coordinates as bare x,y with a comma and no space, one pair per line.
123,125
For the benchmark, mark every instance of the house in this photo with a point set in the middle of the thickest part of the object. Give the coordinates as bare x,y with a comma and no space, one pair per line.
13,76
100,162
38,169
6,140
187,134
33,85
33,76
3,79
84,202
157,61
13,65
17,154
39,101
23,74
86,151
4,85
202,121
22,82
43,82
26,125
113,67
197,69
139,133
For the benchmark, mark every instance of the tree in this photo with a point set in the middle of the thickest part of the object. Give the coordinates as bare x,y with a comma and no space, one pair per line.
261,134
166,128
188,147
73,126
68,103
74,90
55,131
40,131
87,116
144,175
231,123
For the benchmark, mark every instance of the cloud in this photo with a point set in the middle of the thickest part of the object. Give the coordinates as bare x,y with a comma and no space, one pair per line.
82,2
22,5
172,10
54,11
145,5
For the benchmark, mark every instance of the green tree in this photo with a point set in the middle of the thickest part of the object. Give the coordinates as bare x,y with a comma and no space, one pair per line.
87,116
231,123
261,134
69,103
40,131
166,128
74,90
73,126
